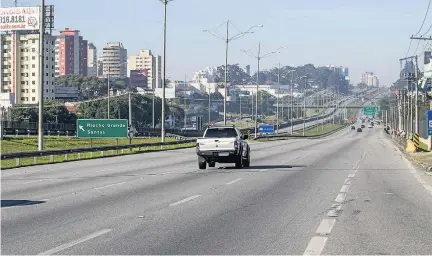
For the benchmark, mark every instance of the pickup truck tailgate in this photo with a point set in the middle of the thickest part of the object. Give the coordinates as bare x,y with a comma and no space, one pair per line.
217,144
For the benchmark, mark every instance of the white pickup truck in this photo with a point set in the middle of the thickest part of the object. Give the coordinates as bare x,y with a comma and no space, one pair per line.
223,145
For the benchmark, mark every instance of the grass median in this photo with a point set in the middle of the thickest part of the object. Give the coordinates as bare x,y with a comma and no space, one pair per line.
17,144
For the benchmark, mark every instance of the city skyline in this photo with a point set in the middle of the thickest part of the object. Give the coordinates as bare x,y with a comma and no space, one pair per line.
186,41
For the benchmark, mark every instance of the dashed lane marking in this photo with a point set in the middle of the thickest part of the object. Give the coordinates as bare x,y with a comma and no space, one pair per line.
345,188
325,226
234,181
185,200
340,198
351,175
111,185
315,246
75,242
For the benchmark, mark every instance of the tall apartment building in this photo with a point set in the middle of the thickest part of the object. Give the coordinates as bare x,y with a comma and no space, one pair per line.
370,79
92,60
152,63
71,53
20,69
114,60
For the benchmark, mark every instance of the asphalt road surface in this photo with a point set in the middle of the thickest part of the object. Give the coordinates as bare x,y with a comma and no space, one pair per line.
351,193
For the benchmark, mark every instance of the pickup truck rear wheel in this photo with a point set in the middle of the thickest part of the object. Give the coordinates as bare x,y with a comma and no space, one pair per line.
239,162
246,162
202,164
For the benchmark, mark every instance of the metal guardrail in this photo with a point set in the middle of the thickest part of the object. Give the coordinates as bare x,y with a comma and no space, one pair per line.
92,149
317,136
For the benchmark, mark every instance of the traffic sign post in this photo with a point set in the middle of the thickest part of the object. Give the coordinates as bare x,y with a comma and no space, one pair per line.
266,129
429,122
369,110
102,128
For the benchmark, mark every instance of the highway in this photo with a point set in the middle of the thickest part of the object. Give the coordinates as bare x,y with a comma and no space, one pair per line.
319,121
350,193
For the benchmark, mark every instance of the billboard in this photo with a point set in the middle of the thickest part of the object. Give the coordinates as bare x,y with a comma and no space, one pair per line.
19,18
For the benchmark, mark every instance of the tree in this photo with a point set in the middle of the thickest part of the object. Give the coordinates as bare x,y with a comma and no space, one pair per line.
119,108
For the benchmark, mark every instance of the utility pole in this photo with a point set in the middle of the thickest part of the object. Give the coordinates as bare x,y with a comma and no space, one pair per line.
417,122
277,112
184,101
304,107
130,111
108,77
41,75
292,102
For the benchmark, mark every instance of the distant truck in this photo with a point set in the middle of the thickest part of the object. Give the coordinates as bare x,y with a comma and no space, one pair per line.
224,144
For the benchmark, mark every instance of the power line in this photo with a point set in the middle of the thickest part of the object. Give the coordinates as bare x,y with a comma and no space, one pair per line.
424,19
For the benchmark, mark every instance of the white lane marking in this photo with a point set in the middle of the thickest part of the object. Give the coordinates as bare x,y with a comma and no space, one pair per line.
75,242
326,226
315,246
33,181
347,181
185,200
107,186
381,143
334,211
101,171
344,188
234,181
264,170
340,198
351,175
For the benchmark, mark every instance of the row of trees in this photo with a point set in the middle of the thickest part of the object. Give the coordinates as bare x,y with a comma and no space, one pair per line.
97,109
320,76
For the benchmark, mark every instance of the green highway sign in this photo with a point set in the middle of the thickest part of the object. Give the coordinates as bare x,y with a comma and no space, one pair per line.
369,110
102,128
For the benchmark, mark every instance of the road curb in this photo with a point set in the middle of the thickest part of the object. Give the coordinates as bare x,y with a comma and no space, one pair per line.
425,168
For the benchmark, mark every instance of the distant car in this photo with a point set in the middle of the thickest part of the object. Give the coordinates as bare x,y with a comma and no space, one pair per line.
362,126
353,127
370,126
359,130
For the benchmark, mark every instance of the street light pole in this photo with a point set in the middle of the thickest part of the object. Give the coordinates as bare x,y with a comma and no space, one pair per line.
165,3
304,107
41,76
257,89
228,39
292,101
108,77
258,58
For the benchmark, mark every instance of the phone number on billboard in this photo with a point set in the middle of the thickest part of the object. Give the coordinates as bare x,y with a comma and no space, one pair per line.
13,19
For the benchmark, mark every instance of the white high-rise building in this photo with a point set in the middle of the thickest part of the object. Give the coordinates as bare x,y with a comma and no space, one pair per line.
370,79
149,62
20,69
114,60
91,60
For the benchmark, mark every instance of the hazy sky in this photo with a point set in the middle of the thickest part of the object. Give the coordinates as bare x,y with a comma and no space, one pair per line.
365,35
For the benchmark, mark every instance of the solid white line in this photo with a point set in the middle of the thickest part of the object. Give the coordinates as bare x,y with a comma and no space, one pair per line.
326,226
75,242
107,186
33,181
101,171
185,200
315,246
351,175
345,188
234,181
340,198
264,170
